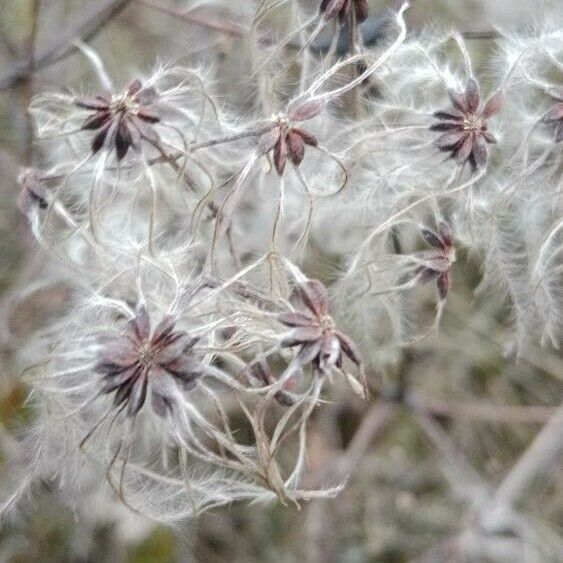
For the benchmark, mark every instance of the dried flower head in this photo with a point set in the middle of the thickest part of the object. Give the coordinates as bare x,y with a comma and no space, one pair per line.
438,264
465,125
33,194
555,115
343,8
288,141
140,358
121,121
315,332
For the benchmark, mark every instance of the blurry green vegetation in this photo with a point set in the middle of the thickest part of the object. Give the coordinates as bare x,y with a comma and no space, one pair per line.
159,547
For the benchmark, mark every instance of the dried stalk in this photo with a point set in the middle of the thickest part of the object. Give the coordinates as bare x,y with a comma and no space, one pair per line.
86,30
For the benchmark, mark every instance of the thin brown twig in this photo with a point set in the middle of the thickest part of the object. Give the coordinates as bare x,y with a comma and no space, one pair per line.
11,47
491,34
224,26
487,412
87,29
346,464
463,477
28,85
542,454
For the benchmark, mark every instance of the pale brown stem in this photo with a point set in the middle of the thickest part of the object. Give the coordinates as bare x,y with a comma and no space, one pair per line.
223,26
87,29
372,427
542,455
28,85
463,477
487,412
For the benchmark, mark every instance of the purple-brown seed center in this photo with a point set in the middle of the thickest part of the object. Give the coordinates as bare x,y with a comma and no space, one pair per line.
147,354
327,324
473,123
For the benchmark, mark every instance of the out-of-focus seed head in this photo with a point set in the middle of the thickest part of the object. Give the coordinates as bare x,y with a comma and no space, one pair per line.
33,194
555,116
438,265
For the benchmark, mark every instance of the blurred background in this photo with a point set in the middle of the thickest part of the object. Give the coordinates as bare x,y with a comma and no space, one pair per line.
415,480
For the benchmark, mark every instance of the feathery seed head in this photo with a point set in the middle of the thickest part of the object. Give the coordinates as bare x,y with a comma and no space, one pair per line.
465,125
142,361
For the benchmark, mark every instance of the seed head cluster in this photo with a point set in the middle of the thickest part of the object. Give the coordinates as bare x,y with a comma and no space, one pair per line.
231,265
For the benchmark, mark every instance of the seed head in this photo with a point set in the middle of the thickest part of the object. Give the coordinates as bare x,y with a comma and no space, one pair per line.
33,194
123,120
286,142
139,359
314,331
465,125
438,264
555,116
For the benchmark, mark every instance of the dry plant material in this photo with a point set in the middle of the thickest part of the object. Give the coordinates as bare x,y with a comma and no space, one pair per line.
121,121
342,9
555,115
466,131
438,264
286,140
140,358
180,397
320,342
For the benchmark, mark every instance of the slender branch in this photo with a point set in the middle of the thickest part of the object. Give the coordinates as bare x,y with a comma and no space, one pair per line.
486,412
372,427
542,454
9,45
480,34
464,479
28,85
86,30
237,137
224,26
